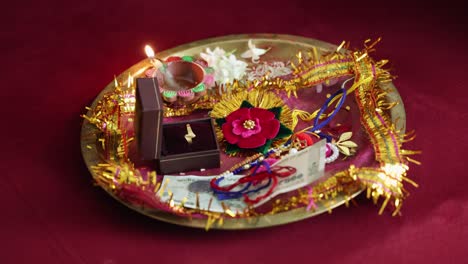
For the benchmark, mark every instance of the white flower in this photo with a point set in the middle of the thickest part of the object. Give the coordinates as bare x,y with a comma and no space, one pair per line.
226,66
213,57
253,52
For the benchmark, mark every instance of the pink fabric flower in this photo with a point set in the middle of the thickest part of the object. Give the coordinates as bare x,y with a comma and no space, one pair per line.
250,128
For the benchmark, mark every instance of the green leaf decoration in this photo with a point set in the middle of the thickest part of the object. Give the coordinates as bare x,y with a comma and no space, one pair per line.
246,104
264,149
277,111
283,132
231,148
220,121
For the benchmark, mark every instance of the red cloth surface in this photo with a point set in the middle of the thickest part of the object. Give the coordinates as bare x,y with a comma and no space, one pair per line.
58,55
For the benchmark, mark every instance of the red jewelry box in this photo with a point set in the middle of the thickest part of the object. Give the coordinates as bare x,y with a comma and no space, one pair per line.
165,143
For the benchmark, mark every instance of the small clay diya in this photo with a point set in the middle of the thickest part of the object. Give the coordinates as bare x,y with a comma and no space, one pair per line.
183,81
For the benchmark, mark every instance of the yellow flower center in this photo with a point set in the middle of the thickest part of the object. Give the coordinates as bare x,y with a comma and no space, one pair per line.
249,124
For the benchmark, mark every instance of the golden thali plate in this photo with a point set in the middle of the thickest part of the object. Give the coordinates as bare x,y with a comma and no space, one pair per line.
285,46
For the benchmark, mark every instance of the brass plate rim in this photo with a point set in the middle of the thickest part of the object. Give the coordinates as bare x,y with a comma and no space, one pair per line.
397,113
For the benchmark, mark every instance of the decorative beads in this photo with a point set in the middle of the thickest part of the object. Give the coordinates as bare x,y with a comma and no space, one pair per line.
248,161
331,153
293,151
258,158
334,152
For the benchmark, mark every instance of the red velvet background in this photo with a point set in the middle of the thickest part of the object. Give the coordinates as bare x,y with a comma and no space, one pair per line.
58,55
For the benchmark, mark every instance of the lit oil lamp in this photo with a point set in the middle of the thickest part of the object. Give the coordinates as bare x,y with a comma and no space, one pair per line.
181,80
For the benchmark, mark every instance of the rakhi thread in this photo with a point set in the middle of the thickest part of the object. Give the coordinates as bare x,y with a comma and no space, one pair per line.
272,174
225,193
319,125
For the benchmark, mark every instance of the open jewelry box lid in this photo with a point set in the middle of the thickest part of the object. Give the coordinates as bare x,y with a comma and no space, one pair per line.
149,118
165,143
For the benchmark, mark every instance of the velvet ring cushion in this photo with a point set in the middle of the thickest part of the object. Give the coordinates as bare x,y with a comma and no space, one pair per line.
178,155
174,141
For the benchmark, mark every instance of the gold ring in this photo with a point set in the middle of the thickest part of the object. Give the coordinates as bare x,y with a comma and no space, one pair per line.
190,135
